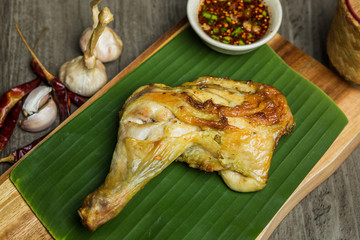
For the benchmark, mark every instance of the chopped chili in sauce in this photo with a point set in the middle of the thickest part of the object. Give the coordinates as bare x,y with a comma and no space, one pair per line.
236,22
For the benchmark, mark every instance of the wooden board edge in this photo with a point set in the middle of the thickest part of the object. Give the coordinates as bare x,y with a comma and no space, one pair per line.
311,181
331,160
24,224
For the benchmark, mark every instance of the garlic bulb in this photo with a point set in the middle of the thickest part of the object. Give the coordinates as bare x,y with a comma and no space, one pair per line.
81,80
109,46
85,75
36,99
42,119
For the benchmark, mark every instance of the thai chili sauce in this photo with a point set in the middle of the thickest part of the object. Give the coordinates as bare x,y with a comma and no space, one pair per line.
236,22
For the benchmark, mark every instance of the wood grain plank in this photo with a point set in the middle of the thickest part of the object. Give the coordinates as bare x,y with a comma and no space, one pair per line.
17,221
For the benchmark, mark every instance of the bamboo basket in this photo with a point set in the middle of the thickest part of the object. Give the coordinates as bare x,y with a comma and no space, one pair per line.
343,41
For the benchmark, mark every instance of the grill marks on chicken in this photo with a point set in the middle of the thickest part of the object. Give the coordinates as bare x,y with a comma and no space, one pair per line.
261,107
213,124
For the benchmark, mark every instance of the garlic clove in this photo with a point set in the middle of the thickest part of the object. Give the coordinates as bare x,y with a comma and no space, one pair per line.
81,80
36,99
42,119
108,47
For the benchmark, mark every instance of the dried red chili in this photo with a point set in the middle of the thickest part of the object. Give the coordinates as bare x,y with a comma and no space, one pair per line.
60,93
9,124
34,64
19,153
236,22
37,70
11,97
76,99
61,98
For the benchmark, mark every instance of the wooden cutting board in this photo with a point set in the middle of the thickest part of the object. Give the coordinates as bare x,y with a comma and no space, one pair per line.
17,221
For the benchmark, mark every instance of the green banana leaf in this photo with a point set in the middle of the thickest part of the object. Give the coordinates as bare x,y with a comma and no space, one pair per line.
180,203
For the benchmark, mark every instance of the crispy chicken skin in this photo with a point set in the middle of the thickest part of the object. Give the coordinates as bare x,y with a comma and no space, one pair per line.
214,124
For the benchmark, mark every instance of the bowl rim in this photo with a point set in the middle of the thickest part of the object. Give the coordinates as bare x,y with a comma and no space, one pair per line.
200,32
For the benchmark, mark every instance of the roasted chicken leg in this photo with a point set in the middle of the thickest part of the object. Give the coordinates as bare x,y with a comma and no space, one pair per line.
213,124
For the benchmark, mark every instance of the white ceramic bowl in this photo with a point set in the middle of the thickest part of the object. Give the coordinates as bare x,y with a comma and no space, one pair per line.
275,12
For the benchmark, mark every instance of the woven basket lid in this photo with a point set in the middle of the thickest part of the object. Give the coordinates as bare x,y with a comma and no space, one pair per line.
354,8
343,42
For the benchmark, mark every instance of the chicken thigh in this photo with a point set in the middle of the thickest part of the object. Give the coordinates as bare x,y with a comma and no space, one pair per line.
214,124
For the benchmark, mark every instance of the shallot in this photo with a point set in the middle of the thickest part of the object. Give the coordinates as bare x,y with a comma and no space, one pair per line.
109,46
85,75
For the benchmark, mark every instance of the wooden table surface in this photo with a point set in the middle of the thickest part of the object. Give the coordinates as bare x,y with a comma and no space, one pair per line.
329,212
